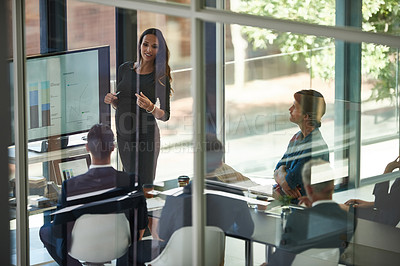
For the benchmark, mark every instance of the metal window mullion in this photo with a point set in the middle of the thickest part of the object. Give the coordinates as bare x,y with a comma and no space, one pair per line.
220,79
21,159
5,115
348,91
170,9
227,17
397,96
296,27
198,92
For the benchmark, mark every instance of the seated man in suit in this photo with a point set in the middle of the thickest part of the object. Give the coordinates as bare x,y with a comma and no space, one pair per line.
100,178
385,208
230,214
323,224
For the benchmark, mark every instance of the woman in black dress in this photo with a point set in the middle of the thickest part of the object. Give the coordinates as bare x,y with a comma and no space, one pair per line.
139,86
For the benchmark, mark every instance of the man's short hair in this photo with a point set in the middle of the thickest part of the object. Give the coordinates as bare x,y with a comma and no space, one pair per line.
313,104
215,152
100,141
319,174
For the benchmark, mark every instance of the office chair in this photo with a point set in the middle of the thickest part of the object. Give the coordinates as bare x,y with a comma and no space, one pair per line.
97,239
178,251
318,257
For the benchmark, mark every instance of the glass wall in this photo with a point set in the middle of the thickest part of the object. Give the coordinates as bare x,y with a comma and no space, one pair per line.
233,105
261,78
37,182
379,108
32,18
176,154
8,236
90,25
270,65
377,16
47,117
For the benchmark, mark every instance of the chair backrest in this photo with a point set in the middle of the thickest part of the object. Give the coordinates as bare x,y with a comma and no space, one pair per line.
100,238
178,251
318,257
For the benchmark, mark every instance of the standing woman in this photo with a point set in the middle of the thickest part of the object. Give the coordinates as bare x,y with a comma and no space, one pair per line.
139,86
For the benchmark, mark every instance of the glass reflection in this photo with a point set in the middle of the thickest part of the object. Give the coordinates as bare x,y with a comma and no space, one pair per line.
382,17
262,67
263,71
176,133
383,208
379,108
319,232
184,2
261,80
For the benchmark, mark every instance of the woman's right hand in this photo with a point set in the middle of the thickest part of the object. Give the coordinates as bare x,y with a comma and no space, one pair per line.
392,165
111,98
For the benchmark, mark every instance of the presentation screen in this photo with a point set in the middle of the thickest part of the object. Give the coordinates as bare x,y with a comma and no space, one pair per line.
65,92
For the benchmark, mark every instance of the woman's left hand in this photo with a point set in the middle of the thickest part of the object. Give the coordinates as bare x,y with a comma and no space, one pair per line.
144,102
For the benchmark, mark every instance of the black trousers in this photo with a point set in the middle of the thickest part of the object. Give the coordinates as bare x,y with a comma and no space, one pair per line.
149,250
144,153
53,240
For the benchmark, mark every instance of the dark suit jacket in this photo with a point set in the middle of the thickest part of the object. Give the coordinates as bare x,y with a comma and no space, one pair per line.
231,215
325,225
56,236
96,180
385,209
387,204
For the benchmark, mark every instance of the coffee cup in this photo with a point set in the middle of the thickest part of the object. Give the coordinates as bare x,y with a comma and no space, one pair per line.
146,190
183,180
262,207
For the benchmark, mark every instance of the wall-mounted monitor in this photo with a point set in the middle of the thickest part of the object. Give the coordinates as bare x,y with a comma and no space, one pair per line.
65,92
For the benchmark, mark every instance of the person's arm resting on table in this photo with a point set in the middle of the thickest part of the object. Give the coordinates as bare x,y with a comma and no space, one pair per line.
281,177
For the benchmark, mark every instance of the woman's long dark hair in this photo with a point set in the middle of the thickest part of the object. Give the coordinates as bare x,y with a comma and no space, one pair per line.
161,62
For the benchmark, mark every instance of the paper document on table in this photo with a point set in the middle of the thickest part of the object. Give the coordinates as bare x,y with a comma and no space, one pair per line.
244,184
173,192
238,197
276,211
263,190
155,203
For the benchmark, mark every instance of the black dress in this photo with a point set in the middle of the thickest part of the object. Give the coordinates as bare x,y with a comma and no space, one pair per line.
138,135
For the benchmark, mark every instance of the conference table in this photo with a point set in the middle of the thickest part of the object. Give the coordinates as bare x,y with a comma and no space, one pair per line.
261,219
372,243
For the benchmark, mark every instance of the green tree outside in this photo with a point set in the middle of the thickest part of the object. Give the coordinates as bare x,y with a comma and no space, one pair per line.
378,62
